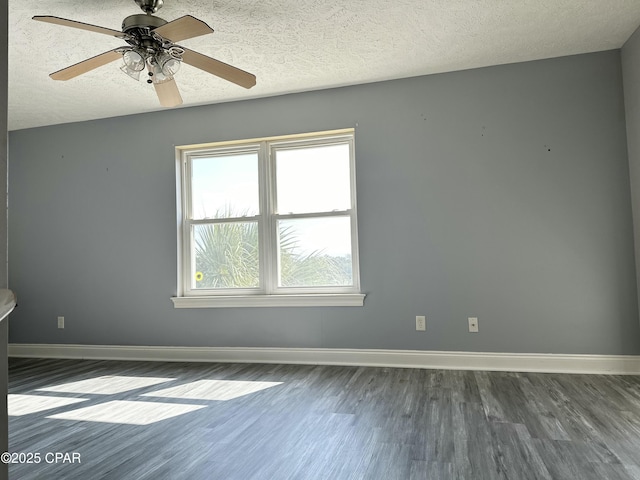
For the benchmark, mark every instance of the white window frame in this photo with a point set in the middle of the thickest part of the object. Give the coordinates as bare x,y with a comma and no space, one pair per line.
268,293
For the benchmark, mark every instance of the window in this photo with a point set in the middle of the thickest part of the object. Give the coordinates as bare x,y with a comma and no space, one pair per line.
268,222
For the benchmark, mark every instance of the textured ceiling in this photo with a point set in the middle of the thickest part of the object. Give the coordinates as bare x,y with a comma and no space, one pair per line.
295,45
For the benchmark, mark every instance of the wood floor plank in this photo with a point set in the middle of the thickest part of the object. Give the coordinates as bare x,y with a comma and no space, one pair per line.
421,470
493,410
474,453
516,454
548,425
633,471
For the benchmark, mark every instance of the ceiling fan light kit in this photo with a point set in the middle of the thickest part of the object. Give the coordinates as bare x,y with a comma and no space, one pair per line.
151,45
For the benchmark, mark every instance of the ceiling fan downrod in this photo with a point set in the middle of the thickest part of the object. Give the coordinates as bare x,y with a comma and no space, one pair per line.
150,6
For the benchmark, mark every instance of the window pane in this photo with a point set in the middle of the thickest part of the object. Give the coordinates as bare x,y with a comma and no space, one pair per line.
226,255
313,179
225,186
315,252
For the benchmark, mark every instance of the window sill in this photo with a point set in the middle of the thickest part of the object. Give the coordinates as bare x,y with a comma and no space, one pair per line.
309,300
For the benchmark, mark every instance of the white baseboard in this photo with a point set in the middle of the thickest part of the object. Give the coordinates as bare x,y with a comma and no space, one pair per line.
512,362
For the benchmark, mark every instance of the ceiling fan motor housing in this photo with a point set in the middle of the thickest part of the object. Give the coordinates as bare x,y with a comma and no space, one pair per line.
141,21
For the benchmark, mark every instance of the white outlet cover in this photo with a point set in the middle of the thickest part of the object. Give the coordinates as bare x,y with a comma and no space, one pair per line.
473,324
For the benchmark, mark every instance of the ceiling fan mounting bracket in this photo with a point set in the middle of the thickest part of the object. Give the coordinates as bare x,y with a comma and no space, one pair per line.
150,6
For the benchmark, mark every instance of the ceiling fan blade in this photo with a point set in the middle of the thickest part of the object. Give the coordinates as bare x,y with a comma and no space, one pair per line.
218,68
183,28
82,26
86,65
168,93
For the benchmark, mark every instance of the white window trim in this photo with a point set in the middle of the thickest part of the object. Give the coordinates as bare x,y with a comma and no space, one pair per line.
277,300
268,295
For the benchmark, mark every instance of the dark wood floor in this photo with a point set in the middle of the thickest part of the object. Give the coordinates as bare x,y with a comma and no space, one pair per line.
273,422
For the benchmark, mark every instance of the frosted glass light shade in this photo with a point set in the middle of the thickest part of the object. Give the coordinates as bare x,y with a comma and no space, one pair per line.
168,65
133,60
135,74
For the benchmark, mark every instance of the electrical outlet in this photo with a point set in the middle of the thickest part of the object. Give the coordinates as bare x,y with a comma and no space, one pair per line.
473,324
421,323
60,322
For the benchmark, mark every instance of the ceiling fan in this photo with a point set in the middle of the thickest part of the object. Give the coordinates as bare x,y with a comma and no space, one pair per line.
151,46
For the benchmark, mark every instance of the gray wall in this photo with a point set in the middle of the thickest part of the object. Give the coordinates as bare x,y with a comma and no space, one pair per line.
4,432
631,79
501,193
3,143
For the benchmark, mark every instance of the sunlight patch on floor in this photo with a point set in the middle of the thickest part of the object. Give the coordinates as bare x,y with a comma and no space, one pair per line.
131,413
106,385
26,404
212,390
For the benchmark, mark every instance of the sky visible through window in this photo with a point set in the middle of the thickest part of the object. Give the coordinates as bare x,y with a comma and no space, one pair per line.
224,185
309,180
